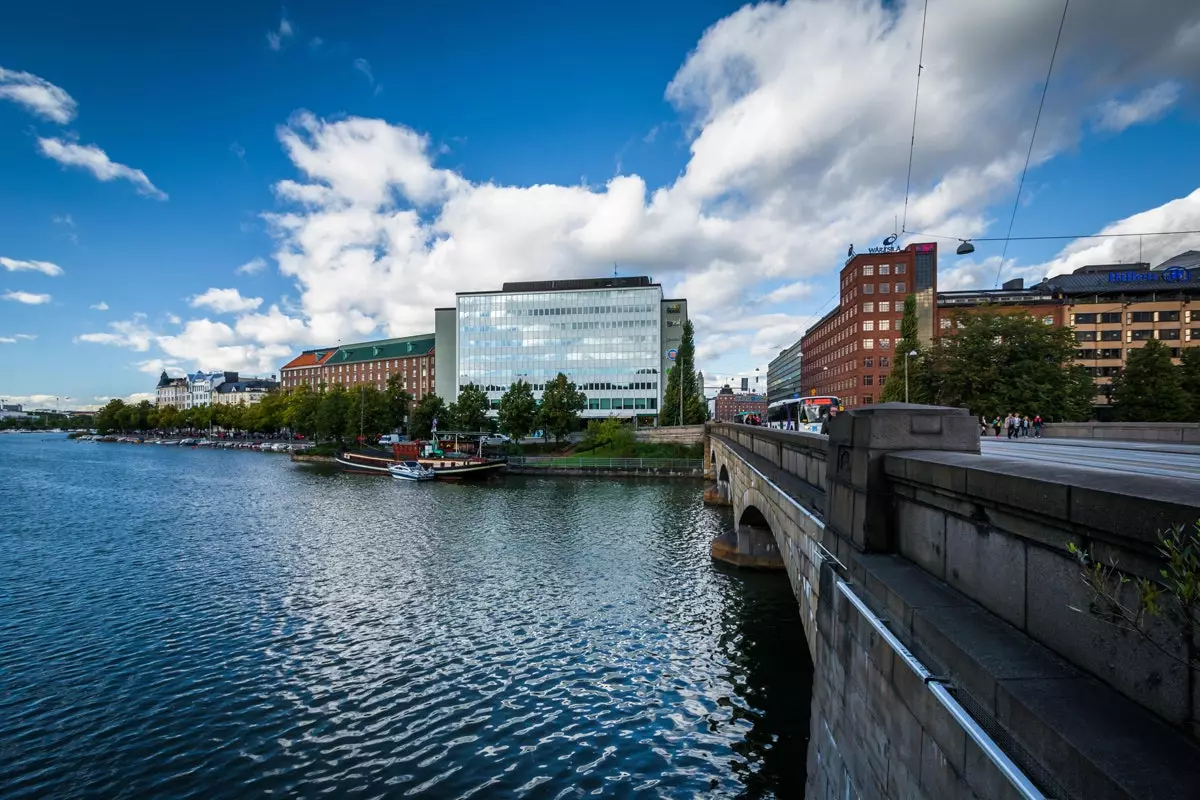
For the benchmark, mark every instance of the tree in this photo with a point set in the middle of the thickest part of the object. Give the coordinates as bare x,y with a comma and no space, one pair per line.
1189,378
331,414
367,413
168,418
420,423
561,404
399,402
469,412
304,405
995,364
695,408
913,367
108,418
1150,387
518,411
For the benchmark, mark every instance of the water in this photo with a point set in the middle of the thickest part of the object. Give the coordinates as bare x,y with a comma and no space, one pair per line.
193,623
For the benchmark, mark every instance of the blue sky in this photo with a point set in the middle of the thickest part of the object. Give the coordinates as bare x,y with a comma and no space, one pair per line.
375,159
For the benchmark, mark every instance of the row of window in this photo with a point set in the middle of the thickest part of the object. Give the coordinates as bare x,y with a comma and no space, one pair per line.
884,307
884,288
869,269
622,403
1114,317
637,308
1138,335
1090,354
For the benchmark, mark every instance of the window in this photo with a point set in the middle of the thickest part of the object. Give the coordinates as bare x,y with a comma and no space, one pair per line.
868,344
1139,335
868,308
868,380
868,325
868,288
1170,333
868,399
870,362
1141,316
885,269
1195,334
1110,317
1083,319
885,288
1047,320
900,269
884,344
901,288
1110,336
885,324
1085,336
885,306
869,269
1085,354
1109,353
944,323
1168,316
885,361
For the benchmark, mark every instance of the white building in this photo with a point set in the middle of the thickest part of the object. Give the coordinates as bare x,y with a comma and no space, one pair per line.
171,392
202,384
614,338
244,392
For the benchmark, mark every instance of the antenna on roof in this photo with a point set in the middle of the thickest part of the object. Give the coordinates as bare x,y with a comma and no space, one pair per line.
614,270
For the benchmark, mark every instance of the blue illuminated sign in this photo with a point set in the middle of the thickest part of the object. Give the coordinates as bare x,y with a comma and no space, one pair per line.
1169,275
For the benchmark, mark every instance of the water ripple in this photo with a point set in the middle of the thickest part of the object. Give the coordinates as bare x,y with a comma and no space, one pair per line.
198,624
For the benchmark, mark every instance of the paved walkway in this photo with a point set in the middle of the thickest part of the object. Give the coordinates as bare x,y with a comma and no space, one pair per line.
1142,458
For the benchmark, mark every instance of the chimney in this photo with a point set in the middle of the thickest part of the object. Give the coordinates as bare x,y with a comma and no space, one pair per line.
1016,284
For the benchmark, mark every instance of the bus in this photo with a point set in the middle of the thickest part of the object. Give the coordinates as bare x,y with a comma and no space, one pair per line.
801,413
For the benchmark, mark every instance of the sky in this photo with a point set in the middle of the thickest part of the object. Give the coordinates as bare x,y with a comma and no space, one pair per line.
220,186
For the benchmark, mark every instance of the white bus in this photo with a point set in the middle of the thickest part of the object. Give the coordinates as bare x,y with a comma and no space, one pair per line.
801,413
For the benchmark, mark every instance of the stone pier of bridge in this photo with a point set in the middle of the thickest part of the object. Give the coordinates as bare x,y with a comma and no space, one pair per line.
953,648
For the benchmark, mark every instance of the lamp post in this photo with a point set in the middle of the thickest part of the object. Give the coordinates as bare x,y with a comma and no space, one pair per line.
906,355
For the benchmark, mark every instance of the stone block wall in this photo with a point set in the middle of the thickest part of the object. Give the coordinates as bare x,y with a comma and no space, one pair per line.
685,434
1166,432
998,531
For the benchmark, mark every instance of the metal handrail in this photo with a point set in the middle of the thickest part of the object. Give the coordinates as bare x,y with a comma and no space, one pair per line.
569,462
1019,780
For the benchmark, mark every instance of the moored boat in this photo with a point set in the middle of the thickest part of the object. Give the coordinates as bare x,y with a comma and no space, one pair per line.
444,466
411,471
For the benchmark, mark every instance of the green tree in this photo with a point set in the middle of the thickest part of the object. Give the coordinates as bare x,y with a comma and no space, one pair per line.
518,411
999,363
561,405
610,433
168,418
913,367
431,407
1189,379
1150,387
108,418
366,413
399,402
304,406
469,412
695,408
332,413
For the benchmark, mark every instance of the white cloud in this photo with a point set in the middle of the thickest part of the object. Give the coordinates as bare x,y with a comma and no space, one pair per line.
101,306
364,66
226,301
37,95
7,340
1148,105
238,151
251,267
97,162
132,333
174,319
28,298
276,38
787,292
17,337
157,366
44,267
215,345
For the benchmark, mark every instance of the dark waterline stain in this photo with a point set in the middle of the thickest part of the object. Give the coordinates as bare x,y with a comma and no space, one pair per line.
206,624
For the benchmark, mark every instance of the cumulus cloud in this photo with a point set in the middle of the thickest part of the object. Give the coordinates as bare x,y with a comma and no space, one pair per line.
132,333
788,292
225,301
28,298
277,37
37,95
1148,105
44,267
101,306
157,366
251,267
96,161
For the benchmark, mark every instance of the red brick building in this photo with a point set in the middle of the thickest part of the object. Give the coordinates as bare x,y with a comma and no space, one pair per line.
728,404
369,363
849,352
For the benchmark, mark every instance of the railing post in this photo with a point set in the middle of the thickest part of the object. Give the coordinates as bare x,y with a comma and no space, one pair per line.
859,506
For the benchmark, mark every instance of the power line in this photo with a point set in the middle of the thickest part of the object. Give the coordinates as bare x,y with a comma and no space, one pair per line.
1032,137
916,97
1047,238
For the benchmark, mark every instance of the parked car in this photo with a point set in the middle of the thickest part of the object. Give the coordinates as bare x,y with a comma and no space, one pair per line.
387,440
496,439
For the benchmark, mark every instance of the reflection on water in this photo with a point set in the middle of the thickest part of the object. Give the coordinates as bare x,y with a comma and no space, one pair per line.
190,623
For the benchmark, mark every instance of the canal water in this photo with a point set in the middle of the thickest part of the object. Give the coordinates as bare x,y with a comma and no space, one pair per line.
190,623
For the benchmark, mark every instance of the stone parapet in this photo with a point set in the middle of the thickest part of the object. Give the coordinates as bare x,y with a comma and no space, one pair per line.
1165,432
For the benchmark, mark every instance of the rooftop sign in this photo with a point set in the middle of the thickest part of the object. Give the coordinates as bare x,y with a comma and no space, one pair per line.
1169,275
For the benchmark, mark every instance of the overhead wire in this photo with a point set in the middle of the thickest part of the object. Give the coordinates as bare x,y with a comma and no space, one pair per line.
1032,137
912,143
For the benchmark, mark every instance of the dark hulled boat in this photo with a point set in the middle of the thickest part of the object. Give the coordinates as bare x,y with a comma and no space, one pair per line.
368,461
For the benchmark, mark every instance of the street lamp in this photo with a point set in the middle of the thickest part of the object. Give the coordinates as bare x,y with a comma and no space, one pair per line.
906,355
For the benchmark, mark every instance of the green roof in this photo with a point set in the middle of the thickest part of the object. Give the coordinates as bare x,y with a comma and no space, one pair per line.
403,347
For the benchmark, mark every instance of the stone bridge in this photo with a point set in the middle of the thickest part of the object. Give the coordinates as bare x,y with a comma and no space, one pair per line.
954,644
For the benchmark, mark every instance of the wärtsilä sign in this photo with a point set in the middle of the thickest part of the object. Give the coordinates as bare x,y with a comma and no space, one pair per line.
1169,275
884,249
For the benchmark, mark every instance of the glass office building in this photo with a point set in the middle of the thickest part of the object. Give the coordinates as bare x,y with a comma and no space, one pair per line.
606,335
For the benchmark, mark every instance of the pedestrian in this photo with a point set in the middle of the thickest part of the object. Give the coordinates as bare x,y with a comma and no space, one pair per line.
1011,424
1025,423
996,425
1037,426
983,426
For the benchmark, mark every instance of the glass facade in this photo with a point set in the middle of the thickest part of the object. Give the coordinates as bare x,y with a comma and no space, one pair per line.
606,341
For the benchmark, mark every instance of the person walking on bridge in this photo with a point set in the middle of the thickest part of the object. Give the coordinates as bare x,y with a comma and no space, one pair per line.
1037,426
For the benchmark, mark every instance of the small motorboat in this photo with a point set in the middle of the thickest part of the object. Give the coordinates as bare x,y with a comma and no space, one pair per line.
411,471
